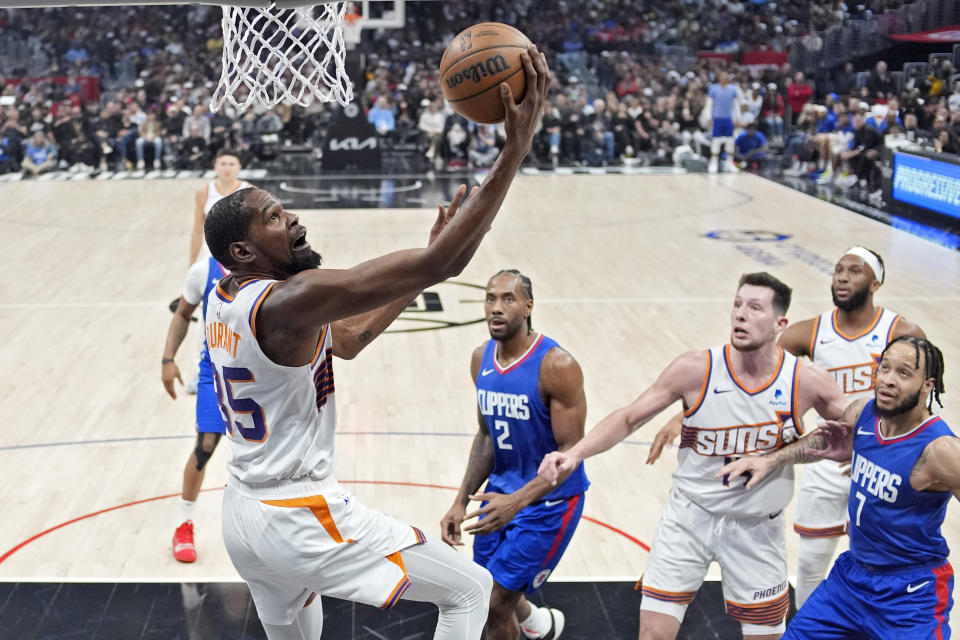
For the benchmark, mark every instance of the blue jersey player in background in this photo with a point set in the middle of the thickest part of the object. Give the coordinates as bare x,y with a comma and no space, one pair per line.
530,402
723,105
202,277
895,581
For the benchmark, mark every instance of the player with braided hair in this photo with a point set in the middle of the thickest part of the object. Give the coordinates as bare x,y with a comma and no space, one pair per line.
895,580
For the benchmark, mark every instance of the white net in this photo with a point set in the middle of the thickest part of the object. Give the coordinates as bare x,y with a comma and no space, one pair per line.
273,55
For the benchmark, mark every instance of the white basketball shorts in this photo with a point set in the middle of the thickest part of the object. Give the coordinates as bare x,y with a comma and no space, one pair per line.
330,544
751,553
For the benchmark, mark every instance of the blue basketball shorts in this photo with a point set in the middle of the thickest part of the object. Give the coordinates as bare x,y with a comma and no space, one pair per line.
209,417
855,602
523,554
722,128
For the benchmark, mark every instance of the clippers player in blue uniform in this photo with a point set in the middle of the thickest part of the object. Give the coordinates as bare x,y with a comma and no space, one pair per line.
530,402
895,580
202,277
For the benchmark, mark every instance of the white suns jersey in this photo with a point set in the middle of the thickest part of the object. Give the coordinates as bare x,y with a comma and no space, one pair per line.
729,421
852,360
281,420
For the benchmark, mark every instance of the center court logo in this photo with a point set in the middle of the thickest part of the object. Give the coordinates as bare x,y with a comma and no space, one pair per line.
770,248
746,235
448,305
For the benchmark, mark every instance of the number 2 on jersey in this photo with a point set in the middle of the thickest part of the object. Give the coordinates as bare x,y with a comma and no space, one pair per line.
231,375
502,438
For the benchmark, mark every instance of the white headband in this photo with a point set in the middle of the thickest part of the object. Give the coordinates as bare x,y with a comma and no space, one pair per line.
868,258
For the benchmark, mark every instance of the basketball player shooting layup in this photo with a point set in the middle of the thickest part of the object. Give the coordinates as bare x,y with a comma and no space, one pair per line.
277,321
745,397
895,581
530,402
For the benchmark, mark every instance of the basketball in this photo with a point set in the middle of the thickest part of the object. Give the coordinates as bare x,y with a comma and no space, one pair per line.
475,63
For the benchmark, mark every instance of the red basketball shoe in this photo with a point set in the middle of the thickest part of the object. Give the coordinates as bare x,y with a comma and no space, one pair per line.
183,549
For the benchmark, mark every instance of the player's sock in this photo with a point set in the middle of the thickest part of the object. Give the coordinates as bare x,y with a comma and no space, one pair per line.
814,558
187,509
542,622
537,623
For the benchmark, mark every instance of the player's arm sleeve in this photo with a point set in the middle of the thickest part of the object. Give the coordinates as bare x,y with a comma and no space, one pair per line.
195,282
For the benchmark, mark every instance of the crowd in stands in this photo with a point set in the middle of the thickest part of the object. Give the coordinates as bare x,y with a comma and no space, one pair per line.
639,103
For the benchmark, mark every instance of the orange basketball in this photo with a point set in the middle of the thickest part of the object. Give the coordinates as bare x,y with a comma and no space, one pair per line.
478,61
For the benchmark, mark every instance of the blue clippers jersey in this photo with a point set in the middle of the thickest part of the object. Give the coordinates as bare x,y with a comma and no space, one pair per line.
519,422
893,524
215,273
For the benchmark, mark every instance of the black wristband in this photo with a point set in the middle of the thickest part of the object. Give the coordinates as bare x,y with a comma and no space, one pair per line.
166,361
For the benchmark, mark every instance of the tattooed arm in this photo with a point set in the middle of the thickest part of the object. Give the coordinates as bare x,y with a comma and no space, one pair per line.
819,390
352,335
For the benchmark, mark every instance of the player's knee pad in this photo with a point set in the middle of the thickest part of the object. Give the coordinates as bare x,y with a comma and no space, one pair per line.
761,630
203,453
715,145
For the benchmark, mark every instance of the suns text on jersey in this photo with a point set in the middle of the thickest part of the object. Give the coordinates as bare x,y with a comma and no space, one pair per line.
855,378
874,479
503,405
220,336
739,440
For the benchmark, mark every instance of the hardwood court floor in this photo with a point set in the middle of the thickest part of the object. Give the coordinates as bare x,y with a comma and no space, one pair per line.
624,277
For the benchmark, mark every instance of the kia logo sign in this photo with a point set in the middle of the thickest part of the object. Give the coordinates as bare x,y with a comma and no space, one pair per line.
353,144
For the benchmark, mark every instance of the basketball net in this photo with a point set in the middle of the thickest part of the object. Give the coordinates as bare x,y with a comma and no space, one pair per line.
273,55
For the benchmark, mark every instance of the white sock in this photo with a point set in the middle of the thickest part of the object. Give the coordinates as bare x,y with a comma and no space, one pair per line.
537,623
187,509
814,559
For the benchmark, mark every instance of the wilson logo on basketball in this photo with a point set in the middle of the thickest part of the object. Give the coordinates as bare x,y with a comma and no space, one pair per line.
475,73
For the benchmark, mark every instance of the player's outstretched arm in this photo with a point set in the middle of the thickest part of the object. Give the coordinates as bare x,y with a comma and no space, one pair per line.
562,381
479,466
835,441
352,335
314,297
682,378
176,332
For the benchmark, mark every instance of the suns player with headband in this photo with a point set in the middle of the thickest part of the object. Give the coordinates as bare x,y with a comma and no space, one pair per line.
895,581
202,277
847,342
742,398
273,327
530,401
